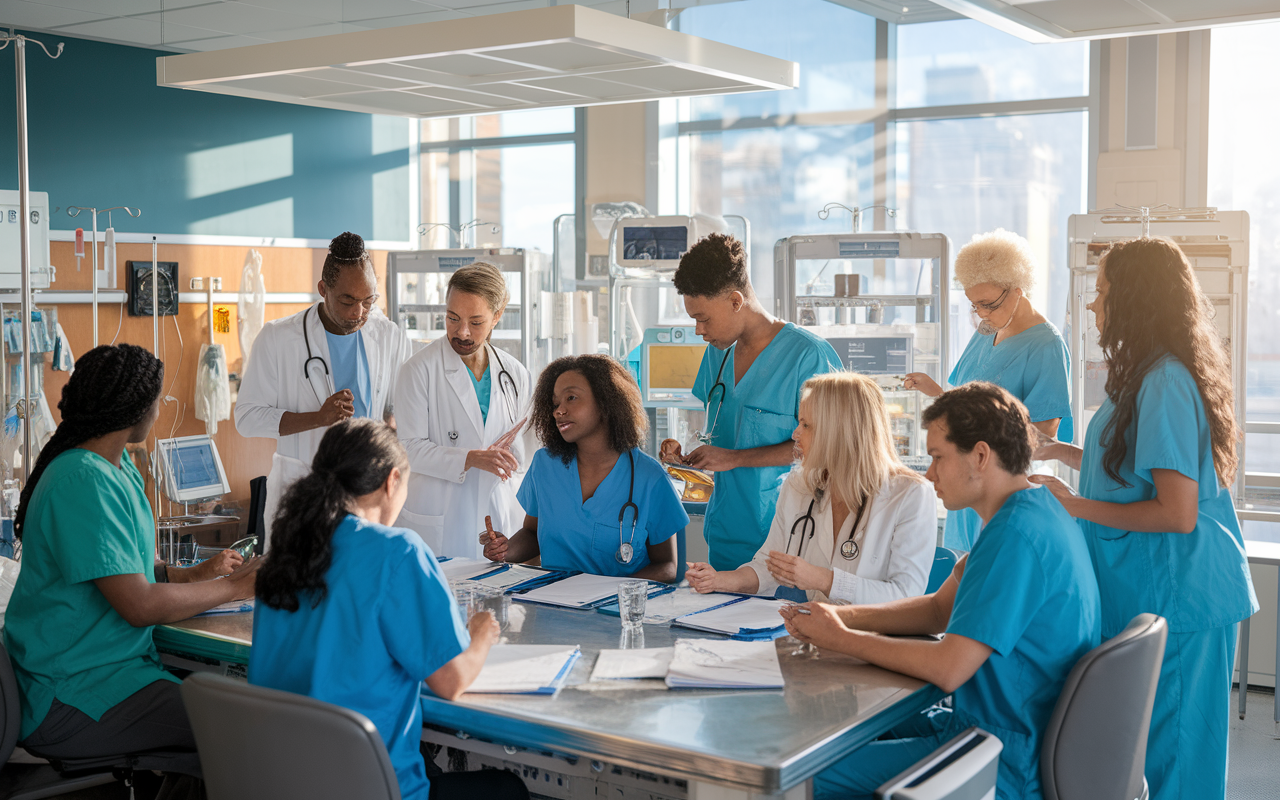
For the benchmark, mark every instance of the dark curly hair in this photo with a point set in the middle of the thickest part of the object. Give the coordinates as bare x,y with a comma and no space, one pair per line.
1154,306
112,388
713,266
354,458
615,393
345,250
983,412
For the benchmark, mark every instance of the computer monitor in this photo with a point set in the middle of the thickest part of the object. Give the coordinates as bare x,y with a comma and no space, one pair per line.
875,355
669,367
191,469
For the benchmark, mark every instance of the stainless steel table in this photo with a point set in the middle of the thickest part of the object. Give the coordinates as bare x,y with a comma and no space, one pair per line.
1260,553
726,744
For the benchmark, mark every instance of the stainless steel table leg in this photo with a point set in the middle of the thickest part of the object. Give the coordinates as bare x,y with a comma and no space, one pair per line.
1276,710
1244,662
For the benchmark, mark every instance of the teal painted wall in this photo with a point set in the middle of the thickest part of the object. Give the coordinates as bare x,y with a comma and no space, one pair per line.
103,134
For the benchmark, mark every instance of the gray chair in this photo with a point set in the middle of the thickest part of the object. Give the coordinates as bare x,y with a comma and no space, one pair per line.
1096,742
39,781
263,744
962,769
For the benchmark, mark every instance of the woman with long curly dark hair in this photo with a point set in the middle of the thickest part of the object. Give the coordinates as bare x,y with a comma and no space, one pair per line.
609,508
1154,505
344,595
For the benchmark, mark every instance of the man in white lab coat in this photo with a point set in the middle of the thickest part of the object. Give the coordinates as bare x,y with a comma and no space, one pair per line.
337,359
459,400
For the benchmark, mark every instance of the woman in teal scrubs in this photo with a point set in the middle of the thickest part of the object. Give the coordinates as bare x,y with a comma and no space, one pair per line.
357,613
1154,505
1014,347
78,626
605,507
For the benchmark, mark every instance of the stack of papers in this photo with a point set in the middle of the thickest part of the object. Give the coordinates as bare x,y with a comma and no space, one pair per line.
525,669
662,609
613,665
718,664
510,577
457,569
234,607
748,618
580,591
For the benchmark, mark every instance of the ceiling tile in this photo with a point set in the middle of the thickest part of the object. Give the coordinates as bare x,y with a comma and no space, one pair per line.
375,9
408,19
563,57
238,18
675,79
22,14
120,29
111,8
463,96
172,33
327,10
222,43
287,34
588,87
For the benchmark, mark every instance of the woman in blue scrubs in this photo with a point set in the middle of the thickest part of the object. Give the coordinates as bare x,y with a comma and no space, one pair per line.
605,507
1014,347
357,613
1154,505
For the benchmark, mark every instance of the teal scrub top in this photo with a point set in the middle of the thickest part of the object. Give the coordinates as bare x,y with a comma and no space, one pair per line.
482,391
574,535
351,369
1033,366
760,410
1196,581
87,520
386,622
1028,593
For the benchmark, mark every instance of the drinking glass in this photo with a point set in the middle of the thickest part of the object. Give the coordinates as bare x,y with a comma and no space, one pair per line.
492,599
631,601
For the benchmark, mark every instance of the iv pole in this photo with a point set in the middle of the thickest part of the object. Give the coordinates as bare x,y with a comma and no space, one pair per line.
73,211
19,43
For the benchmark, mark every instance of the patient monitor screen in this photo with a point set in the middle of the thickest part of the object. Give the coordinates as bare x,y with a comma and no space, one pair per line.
666,243
674,366
194,467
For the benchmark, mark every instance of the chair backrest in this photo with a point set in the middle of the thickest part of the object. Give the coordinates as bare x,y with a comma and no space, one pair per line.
964,768
944,562
257,511
1095,744
263,744
10,708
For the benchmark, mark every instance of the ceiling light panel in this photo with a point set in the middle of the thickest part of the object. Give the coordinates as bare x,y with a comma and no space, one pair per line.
545,57
1067,20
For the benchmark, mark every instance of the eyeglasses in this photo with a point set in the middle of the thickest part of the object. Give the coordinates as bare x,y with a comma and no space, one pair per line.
989,307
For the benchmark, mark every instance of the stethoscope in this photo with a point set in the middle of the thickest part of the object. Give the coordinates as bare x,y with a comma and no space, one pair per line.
506,386
306,365
705,436
808,526
625,550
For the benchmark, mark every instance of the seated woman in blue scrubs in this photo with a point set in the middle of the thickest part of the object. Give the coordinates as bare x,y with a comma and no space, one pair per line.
78,627
1014,347
853,524
358,614
1018,611
605,507
1157,460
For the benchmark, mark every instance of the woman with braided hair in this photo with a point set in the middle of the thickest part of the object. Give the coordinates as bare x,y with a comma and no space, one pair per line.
78,627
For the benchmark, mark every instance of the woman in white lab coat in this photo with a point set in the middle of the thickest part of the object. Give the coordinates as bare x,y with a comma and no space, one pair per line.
459,399
289,391
853,524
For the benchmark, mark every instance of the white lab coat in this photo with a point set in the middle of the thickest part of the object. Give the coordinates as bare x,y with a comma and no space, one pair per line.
438,419
897,549
274,383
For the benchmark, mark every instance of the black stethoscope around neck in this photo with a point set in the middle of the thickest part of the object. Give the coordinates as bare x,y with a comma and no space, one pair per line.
506,387
626,550
849,548
306,365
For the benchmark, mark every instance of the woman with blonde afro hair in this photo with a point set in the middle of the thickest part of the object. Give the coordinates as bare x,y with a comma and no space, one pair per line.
1014,347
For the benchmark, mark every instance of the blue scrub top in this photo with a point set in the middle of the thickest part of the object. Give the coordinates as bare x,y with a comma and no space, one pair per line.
482,391
1028,593
1033,366
759,410
351,368
584,536
387,622
1196,581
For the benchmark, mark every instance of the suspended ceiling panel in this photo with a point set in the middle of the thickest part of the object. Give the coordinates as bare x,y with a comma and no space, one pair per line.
1063,20
545,57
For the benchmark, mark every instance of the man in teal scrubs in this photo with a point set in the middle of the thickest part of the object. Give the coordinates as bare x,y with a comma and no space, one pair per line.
750,381
1020,609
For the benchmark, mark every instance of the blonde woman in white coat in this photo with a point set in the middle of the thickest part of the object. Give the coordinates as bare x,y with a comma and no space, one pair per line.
852,524
460,470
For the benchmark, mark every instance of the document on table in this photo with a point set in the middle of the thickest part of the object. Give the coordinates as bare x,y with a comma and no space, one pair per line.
720,664
752,615
665,608
510,577
234,607
525,669
615,665
457,569
579,591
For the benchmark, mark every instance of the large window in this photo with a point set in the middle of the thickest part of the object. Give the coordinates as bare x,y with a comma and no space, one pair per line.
970,130
1244,175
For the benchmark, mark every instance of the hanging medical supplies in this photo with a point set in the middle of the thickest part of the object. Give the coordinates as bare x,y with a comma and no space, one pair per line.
213,392
252,306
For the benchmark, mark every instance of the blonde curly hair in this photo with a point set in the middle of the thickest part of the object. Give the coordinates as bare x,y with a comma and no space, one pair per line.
1001,257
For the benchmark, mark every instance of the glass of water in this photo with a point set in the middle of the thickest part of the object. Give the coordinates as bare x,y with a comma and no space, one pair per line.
492,599
631,601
